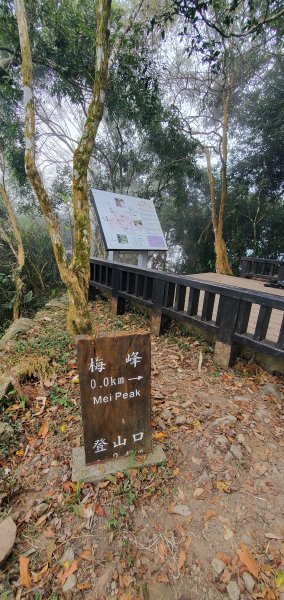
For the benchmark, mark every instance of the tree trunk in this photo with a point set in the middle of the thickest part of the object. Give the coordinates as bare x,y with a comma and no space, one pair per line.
75,276
17,250
222,264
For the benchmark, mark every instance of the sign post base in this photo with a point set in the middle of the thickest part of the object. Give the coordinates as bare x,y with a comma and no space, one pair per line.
100,471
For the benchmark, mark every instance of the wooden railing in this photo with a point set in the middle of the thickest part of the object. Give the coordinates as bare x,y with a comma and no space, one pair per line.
260,267
223,310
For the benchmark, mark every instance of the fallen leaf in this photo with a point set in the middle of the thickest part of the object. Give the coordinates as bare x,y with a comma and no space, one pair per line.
209,515
126,580
162,578
41,520
221,486
84,585
50,549
273,536
196,461
63,576
44,429
248,560
163,550
86,555
99,510
37,576
279,578
225,558
48,533
160,434
181,558
24,572
104,484
198,492
228,533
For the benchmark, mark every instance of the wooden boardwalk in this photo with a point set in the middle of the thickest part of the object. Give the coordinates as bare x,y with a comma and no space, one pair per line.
245,284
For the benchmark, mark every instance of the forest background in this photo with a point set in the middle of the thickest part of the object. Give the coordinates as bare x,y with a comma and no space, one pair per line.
193,119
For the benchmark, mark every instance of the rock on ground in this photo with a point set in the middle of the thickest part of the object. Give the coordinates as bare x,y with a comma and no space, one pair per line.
6,432
271,389
69,583
5,386
8,531
218,566
248,581
19,326
227,420
233,590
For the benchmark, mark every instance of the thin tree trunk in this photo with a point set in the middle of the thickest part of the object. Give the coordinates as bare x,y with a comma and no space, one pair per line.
222,264
18,252
76,275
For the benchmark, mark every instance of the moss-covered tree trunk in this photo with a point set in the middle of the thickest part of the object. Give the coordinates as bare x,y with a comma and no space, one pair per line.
222,264
17,249
75,275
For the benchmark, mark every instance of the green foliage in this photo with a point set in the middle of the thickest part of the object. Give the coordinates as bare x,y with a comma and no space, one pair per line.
52,344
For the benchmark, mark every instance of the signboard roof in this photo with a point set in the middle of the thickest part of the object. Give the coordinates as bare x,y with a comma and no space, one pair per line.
128,223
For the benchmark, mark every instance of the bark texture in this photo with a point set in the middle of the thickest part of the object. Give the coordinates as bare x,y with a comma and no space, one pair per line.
76,275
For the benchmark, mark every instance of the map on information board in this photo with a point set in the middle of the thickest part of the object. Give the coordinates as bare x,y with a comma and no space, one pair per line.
128,223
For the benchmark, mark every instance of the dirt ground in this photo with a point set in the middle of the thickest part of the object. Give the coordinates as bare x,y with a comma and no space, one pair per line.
207,524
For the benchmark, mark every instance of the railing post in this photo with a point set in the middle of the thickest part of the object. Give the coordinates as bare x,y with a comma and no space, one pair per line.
226,319
117,303
159,322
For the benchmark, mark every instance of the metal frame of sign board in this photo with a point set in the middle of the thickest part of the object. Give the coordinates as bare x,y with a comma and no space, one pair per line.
100,198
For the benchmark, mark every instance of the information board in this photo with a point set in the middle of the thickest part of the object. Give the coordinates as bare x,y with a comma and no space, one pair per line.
115,375
128,223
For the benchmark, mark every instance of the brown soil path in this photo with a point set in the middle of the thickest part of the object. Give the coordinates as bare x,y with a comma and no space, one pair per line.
187,530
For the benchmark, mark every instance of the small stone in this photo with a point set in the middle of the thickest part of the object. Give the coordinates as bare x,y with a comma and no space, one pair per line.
68,556
233,590
182,510
166,414
261,414
247,539
41,508
236,451
180,420
6,432
221,440
8,531
69,583
210,451
228,458
218,565
248,581
204,477
222,421
271,389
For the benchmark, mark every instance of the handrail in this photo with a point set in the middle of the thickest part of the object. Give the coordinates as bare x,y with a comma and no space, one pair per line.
265,268
180,297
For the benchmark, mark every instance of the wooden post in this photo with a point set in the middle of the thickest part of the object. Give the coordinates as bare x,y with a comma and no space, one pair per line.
159,322
117,303
226,320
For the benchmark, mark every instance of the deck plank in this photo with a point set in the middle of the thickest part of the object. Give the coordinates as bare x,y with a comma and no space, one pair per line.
245,284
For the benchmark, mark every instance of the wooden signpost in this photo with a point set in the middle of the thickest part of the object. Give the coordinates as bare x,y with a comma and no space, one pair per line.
115,376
